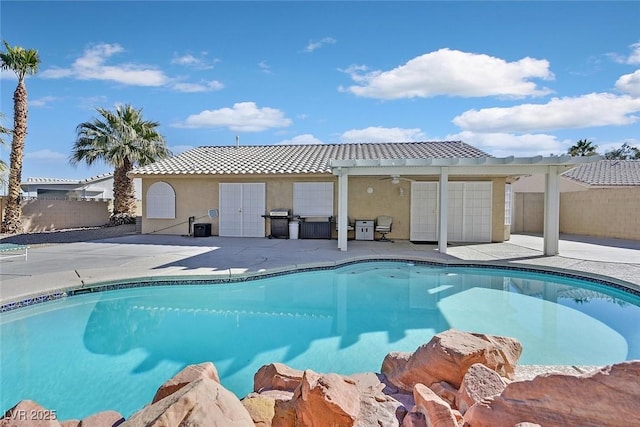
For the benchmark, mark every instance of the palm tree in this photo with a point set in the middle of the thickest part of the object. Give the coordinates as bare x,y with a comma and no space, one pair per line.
3,131
22,62
582,148
121,139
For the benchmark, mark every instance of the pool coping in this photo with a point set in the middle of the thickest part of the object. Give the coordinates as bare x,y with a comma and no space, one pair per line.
228,276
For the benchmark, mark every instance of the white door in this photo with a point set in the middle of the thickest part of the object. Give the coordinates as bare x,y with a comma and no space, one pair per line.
468,211
424,212
477,212
241,207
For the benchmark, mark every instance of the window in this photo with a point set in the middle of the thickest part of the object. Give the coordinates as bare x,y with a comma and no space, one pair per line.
161,201
508,202
313,198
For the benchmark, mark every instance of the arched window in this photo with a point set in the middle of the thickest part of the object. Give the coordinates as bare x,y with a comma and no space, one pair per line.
161,201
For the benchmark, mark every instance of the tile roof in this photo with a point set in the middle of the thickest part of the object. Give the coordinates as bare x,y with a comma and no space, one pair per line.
296,159
607,173
35,180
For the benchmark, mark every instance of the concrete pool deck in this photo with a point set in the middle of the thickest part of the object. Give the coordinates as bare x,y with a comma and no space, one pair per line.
58,267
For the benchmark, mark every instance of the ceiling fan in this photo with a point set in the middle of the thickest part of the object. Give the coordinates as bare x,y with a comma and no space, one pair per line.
395,179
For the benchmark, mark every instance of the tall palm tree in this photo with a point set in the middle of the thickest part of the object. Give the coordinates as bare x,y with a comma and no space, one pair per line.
3,131
582,148
22,62
122,139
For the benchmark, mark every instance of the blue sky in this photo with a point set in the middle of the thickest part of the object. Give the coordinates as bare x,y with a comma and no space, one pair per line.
511,78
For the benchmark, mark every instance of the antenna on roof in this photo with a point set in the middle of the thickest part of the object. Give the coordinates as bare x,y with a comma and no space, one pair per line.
237,141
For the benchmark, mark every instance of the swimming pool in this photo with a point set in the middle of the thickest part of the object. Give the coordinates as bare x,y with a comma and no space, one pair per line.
112,349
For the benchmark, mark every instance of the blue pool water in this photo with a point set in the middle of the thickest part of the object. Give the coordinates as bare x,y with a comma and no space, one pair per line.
111,350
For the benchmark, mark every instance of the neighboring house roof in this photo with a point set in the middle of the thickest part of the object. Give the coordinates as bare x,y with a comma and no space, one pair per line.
92,179
606,173
298,159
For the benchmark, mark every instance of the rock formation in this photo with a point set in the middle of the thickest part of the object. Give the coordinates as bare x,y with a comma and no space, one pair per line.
457,379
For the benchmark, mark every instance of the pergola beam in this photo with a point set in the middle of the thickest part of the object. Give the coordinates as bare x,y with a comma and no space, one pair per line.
444,168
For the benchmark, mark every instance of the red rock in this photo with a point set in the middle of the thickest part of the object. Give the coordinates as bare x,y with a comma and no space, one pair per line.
103,419
395,364
445,391
414,419
607,397
285,414
70,423
28,413
326,400
262,409
448,356
204,402
436,411
276,376
189,374
478,383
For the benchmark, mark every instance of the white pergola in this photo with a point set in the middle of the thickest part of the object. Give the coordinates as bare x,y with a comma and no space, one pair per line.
551,167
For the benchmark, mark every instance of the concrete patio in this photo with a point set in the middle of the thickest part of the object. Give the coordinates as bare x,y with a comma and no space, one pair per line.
56,267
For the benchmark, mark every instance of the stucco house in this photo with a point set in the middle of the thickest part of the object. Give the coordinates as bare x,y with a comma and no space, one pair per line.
599,198
435,191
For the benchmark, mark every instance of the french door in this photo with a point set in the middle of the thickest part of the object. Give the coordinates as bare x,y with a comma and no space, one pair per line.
468,211
241,206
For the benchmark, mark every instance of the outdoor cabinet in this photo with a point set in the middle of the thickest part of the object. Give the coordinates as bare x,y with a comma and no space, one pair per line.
201,230
315,228
364,229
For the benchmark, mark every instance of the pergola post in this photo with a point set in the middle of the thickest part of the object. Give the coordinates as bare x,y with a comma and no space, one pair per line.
551,231
343,201
443,209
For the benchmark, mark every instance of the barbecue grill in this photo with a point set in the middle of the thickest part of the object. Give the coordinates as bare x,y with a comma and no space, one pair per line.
279,223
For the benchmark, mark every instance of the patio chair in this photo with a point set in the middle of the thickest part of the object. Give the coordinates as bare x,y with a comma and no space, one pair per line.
350,226
383,226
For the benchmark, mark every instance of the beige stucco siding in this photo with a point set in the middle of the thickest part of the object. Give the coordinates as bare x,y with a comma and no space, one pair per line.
602,212
195,196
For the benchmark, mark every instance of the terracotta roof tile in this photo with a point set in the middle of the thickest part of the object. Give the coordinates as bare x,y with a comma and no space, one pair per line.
288,159
607,173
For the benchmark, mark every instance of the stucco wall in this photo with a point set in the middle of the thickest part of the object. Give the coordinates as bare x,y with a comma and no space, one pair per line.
606,212
42,215
528,213
195,196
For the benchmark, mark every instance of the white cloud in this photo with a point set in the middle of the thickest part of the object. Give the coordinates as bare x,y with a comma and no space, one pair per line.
264,67
45,155
634,57
630,83
189,60
242,117
452,73
8,75
313,45
594,109
204,86
506,144
305,139
382,134
43,101
92,66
